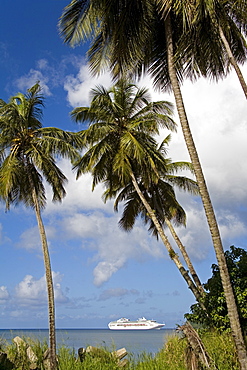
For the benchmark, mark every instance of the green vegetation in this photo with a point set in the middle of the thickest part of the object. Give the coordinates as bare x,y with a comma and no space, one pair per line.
68,360
19,356
173,356
214,299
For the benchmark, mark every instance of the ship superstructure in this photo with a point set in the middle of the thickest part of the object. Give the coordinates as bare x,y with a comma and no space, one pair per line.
140,324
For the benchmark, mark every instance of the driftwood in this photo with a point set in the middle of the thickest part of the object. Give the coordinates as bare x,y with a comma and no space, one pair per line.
197,356
119,355
98,352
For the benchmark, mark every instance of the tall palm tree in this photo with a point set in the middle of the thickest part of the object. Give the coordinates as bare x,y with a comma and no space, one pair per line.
27,155
162,199
215,28
120,139
229,20
134,37
208,207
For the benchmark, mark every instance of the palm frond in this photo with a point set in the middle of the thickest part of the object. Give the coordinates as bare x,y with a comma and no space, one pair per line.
28,151
78,21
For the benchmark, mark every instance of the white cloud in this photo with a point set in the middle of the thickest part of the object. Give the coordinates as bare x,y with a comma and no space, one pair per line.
49,74
4,294
79,86
105,269
43,64
113,247
232,226
116,247
30,238
31,291
79,195
30,79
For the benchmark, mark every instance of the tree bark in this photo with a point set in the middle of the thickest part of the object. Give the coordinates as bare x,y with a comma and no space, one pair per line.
185,257
209,211
166,242
49,282
233,62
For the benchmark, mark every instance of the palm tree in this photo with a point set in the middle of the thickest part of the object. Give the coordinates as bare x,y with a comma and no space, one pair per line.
119,140
208,207
162,199
27,155
160,196
215,28
209,210
134,37
228,18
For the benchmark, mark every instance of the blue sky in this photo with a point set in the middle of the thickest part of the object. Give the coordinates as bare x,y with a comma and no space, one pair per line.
100,272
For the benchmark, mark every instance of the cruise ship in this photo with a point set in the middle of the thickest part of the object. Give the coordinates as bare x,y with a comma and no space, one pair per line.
140,324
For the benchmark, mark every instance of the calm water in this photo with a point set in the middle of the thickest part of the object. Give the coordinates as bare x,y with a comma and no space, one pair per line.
135,342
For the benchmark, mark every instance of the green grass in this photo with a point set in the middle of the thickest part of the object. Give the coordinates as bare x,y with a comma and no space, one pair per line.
221,349
102,360
171,357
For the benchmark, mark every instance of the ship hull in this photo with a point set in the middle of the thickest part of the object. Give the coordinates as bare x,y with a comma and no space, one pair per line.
132,327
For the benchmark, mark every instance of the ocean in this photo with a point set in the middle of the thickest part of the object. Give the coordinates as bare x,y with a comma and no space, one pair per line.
135,341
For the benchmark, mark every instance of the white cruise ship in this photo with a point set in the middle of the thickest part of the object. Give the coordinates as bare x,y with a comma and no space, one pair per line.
140,324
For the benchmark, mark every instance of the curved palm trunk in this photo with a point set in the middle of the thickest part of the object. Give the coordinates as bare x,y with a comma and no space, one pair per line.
49,282
209,211
185,256
166,242
233,62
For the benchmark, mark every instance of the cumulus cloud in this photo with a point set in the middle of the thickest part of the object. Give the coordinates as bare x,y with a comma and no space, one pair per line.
79,86
32,291
50,74
113,247
79,194
116,247
30,238
232,226
30,79
105,269
4,294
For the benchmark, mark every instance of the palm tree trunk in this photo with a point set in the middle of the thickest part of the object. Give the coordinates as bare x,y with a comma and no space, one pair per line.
49,282
209,211
233,61
185,256
166,242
